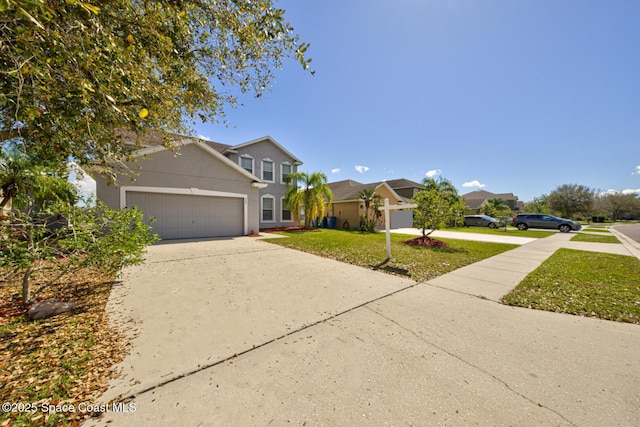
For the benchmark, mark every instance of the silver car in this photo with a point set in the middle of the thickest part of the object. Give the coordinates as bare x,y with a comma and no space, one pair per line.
480,221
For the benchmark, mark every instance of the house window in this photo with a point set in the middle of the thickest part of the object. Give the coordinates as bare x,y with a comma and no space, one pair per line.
286,169
246,163
267,208
286,212
267,170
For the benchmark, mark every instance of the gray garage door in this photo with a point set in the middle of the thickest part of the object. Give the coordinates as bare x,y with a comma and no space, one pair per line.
402,219
185,216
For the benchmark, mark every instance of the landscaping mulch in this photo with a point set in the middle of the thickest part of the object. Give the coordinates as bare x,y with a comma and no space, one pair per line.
63,360
428,242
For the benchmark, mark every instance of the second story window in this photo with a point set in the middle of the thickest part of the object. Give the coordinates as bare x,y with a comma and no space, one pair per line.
286,170
247,164
267,170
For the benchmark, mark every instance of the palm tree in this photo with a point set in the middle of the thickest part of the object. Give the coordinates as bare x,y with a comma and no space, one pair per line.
24,181
371,212
308,192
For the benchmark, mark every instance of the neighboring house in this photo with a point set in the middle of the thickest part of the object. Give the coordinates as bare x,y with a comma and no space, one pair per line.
205,189
347,206
475,199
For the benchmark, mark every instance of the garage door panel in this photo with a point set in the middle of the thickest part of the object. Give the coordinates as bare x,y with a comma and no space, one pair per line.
180,216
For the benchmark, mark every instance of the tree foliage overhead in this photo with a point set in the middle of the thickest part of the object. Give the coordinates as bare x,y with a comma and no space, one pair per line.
438,205
73,74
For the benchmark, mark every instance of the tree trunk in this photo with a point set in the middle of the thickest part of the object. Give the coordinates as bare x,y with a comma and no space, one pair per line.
26,291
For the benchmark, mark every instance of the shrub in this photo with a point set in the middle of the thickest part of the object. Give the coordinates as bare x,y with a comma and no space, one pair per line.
67,238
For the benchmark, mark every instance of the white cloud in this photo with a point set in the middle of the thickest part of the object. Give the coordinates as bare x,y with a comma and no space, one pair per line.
631,191
637,171
336,170
432,173
474,183
85,184
206,138
625,191
361,169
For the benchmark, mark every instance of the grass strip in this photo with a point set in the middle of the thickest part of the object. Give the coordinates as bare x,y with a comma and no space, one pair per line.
591,284
593,238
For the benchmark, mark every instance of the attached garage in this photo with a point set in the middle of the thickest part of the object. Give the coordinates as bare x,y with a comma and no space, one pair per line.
194,193
189,213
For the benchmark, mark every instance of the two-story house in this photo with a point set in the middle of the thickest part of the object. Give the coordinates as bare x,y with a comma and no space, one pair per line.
204,188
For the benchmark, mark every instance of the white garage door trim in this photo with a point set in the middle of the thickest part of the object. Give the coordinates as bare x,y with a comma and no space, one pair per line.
187,191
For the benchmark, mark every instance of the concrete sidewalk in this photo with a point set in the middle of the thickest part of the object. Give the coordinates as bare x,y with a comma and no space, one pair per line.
320,342
461,235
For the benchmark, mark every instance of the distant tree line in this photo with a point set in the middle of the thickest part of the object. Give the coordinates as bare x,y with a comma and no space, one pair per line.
578,201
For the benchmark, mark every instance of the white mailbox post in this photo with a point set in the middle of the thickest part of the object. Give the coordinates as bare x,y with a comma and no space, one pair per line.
387,208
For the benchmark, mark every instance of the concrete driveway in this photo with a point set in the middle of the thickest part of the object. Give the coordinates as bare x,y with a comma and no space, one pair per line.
319,342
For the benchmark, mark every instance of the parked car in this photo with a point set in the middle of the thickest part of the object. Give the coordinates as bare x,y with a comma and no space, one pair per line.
524,221
480,221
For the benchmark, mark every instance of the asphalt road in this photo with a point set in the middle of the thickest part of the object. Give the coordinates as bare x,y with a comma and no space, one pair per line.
630,230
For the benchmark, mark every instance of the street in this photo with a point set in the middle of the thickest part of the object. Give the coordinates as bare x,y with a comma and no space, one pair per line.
630,230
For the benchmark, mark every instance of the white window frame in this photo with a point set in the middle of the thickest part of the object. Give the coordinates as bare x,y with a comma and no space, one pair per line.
273,172
282,181
273,208
282,208
253,163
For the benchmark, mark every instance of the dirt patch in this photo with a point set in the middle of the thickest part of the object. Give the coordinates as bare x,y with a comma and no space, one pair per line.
427,241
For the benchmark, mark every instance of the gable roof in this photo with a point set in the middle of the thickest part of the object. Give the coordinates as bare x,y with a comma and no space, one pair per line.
154,138
204,145
349,190
482,194
267,138
397,184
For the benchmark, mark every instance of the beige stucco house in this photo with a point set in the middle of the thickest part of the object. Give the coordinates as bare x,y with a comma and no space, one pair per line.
347,205
203,188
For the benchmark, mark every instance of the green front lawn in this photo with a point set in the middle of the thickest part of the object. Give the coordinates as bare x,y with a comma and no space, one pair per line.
590,284
595,238
369,250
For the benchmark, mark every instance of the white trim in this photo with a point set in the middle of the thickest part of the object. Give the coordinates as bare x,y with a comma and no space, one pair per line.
273,208
253,163
282,181
187,192
282,205
273,172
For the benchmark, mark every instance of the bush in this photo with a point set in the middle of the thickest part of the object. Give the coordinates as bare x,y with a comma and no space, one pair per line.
67,238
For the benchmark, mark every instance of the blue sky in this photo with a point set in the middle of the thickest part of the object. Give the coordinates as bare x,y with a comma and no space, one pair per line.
507,96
